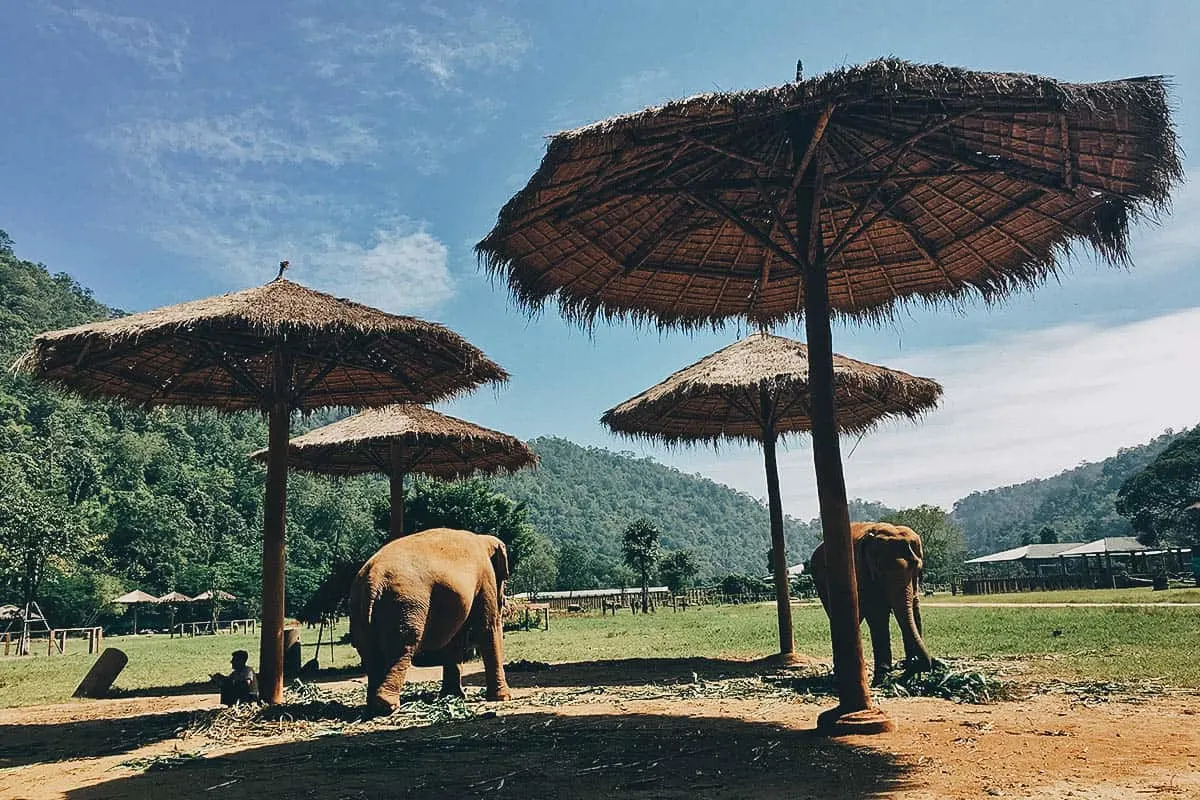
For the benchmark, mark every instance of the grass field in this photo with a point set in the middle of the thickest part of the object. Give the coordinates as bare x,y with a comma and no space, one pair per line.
1103,644
1137,595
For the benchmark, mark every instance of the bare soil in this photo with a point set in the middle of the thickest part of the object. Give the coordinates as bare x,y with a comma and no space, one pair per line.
599,730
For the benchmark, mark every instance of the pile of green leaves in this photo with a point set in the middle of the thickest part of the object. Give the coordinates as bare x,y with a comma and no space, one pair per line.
961,686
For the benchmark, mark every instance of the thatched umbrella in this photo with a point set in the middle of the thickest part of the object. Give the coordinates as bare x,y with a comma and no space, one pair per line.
756,390
850,193
276,348
405,438
134,599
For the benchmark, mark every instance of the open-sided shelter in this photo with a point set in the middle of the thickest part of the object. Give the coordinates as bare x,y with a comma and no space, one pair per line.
846,194
276,349
756,390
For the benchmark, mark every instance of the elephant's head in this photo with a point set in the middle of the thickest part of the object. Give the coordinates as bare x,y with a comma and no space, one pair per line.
499,558
891,553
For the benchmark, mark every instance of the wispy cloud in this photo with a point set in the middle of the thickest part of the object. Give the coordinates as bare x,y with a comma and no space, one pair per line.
1015,408
143,40
440,45
253,136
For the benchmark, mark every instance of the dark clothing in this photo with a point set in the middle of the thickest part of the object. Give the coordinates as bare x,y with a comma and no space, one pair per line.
239,686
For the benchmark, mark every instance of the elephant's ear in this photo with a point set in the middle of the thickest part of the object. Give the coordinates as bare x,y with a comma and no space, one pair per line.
500,562
868,557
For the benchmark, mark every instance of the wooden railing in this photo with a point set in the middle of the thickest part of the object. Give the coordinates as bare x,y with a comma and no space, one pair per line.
56,641
209,627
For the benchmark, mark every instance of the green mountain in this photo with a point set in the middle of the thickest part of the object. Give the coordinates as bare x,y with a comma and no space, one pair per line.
1077,503
585,496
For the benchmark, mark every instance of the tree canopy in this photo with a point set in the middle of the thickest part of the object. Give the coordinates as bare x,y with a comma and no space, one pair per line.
941,538
1157,499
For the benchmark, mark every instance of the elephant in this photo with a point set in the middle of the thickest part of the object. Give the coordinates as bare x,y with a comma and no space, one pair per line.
423,598
889,560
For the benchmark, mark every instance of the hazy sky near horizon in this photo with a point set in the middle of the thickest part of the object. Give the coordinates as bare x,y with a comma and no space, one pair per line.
161,152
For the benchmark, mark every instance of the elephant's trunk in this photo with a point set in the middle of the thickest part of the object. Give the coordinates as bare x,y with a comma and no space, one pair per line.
903,600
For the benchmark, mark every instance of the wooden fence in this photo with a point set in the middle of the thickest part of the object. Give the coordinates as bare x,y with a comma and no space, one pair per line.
210,627
56,641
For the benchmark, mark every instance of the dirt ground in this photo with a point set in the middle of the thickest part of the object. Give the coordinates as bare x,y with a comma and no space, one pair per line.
598,729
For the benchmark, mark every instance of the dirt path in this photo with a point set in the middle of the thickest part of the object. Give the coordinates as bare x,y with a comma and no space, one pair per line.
605,730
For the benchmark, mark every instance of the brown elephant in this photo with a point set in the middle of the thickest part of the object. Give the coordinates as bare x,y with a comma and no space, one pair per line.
889,560
427,596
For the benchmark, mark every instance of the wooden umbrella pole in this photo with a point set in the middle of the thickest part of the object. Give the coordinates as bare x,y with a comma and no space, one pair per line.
854,712
396,526
270,656
783,594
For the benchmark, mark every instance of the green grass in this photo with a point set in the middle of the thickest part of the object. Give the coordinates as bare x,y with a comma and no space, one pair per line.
154,661
1136,595
1094,644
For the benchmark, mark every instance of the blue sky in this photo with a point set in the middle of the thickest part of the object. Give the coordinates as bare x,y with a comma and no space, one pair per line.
165,151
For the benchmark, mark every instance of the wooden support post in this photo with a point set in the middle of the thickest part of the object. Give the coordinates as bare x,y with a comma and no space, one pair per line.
854,713
270,656
396,526
783,604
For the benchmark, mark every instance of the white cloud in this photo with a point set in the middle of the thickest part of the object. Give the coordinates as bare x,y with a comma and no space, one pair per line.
404,270
137,38
252,136
1014,408
442,46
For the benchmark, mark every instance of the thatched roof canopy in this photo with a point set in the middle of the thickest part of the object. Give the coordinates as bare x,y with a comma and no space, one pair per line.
136,596
720,396
429,443
936,183
219,352
174,597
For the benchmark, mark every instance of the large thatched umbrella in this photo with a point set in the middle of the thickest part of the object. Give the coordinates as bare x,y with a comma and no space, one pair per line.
401,439
276,348
845,194
757,390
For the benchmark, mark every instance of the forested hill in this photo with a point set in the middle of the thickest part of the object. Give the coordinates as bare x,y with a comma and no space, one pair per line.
586,497
1079,503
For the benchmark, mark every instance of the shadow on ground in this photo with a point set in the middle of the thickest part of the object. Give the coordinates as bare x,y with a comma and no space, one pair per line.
538,756
21,745
642,671
325,675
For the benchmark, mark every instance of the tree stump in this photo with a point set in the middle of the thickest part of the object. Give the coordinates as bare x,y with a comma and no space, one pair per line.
102,674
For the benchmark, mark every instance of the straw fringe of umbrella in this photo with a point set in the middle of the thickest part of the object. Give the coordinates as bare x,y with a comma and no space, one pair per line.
344,353
709,177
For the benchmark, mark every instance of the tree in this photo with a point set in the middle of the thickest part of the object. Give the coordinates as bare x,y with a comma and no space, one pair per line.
678,570
1156,499
941,538
574,567
474,506
639,546
1047,535
538,568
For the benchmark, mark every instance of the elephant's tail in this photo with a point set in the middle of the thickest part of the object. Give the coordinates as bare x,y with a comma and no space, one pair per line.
362,607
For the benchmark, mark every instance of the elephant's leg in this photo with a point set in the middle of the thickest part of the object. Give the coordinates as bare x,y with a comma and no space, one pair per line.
881,639
451,681
387,694
491,648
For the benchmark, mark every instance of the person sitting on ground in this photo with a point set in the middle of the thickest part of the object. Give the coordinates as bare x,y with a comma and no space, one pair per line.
239,686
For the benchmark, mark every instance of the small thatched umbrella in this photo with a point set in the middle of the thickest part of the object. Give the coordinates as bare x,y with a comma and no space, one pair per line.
276,348
134,599
404,438
757,390
172,600
849,194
